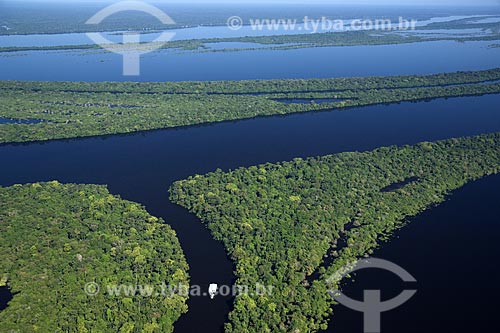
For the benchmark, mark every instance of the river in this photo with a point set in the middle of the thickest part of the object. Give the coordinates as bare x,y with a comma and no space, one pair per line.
324,62
140,167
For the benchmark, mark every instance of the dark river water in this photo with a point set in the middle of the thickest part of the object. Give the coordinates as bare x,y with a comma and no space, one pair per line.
5,297
449,249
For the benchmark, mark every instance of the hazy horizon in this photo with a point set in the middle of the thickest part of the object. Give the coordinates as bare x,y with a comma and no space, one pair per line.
299,2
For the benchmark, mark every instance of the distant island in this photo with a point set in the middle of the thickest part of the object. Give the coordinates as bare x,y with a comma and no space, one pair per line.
471,30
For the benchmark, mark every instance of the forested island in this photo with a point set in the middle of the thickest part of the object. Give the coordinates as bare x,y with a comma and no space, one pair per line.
471,32
60,110
55,238
281,42
279,221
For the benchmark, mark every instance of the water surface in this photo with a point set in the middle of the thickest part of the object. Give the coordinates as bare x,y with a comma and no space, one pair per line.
5,297
307,100
170,65
18,121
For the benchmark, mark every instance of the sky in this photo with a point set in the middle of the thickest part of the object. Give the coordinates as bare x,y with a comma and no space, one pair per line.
352,2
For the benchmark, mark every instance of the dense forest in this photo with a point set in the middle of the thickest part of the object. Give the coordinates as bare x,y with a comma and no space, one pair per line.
279,221
55,238
78,109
